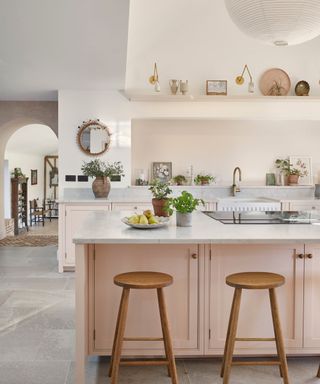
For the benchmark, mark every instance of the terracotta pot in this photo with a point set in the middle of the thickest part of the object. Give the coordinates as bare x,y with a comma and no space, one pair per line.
101,186
293,179
158,207
204,182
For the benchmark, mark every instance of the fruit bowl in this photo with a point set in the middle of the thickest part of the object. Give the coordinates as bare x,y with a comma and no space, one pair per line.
162,221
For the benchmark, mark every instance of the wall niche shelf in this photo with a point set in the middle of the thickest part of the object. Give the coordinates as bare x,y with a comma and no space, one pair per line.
159,97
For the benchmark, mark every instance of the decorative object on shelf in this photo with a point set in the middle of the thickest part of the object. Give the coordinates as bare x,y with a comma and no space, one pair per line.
302,88
184,87
275,82
203,179
17,173
302,166
270,179
141,177
184,205
34,177
154,79
179,180
93,137
162,171
240,79
277,22
160,192
217,87
174,86
102,173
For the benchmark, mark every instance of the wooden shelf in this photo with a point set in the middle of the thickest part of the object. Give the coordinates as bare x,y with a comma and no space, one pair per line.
161,97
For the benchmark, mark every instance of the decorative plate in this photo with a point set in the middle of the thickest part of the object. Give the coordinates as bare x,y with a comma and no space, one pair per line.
275,82
302,88
162,222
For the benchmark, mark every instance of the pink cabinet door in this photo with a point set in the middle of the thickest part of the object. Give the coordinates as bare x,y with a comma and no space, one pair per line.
312,297
181,261
255,317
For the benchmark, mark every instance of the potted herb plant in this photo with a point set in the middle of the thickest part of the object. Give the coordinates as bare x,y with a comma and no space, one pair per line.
293,174
102,172
184,204
203,179
179,180
160,192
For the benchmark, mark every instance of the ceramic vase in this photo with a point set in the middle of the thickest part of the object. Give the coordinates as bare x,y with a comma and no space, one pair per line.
184,87
101,186
174,86
184,219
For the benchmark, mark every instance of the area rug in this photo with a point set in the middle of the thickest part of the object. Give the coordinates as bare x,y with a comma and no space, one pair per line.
29,241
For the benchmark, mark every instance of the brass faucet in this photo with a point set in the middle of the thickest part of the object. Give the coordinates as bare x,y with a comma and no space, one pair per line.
235,187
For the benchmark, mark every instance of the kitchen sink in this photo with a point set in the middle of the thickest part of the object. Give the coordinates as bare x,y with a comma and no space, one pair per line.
235,203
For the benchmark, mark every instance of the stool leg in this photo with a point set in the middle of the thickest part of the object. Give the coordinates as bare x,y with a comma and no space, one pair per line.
116,334
167,336
119,336
234,316
318,374
227,337
278,335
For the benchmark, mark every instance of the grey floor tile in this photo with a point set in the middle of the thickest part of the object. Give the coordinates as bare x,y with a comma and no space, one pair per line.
57,344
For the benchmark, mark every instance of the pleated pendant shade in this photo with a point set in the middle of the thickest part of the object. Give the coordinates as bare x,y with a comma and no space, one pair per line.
277,22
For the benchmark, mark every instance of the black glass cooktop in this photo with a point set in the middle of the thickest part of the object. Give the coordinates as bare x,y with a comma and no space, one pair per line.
284,217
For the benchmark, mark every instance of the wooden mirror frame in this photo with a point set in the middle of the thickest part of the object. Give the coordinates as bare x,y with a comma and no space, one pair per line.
84,126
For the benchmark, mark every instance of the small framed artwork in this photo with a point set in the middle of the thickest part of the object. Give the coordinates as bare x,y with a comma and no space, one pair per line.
217,87
162,171
304,165
34,177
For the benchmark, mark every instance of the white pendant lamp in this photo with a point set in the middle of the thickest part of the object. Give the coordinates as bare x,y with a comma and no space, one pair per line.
277,22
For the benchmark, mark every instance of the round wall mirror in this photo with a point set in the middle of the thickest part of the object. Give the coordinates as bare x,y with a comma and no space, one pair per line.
94,137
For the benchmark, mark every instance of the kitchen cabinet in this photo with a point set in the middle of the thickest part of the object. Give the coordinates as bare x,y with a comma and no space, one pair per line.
179,260
139,207
304,205
255,316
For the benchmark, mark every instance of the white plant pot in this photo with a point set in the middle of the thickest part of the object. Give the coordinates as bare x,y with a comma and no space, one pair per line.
184,219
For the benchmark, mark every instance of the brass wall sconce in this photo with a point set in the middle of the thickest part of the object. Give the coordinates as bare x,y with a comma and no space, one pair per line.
154,79
240,79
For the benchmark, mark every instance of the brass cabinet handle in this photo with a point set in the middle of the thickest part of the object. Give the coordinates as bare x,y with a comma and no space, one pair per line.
309,255
300,255
194,256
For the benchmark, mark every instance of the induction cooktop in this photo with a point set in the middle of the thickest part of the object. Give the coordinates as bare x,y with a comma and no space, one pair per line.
278,217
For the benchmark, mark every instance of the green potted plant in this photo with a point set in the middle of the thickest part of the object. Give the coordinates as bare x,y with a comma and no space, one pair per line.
203,179
160,192
287,169
179,180
102,173
184,204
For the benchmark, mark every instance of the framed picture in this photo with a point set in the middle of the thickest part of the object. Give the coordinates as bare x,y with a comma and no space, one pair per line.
304,164
217,87
162,171
34,176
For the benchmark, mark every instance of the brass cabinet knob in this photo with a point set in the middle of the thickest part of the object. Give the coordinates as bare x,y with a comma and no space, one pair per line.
309,255
194,256
300,255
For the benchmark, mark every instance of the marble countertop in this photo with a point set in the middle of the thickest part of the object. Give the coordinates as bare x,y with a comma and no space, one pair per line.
106,227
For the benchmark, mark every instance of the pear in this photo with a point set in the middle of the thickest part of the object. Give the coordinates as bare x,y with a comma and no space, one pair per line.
143,220
134,219
153,220
148,213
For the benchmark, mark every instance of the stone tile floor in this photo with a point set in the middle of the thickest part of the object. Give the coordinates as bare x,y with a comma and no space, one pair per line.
37,334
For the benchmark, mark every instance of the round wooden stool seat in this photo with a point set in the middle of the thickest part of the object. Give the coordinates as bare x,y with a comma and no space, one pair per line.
143,280
255,280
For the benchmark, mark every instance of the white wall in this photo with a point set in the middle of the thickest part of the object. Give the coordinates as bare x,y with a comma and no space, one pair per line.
196,40
217,147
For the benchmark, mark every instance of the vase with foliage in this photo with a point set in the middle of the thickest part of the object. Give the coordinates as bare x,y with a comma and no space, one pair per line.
102,172
184,205
160,192
179,180
203,179
290,172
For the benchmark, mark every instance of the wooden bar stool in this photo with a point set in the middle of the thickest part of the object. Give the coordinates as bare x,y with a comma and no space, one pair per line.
254,280
142,280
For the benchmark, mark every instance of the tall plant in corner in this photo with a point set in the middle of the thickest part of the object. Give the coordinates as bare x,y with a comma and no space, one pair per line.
160,192
102,173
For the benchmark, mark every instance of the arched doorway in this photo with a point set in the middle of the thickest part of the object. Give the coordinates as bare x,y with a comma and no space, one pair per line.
30,180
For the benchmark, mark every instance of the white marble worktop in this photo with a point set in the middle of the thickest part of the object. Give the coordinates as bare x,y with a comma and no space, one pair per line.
106,227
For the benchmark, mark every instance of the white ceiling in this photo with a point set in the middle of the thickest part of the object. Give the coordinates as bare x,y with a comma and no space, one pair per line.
46,45
33,139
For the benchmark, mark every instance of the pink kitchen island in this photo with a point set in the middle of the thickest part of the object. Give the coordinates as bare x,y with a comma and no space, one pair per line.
199,258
